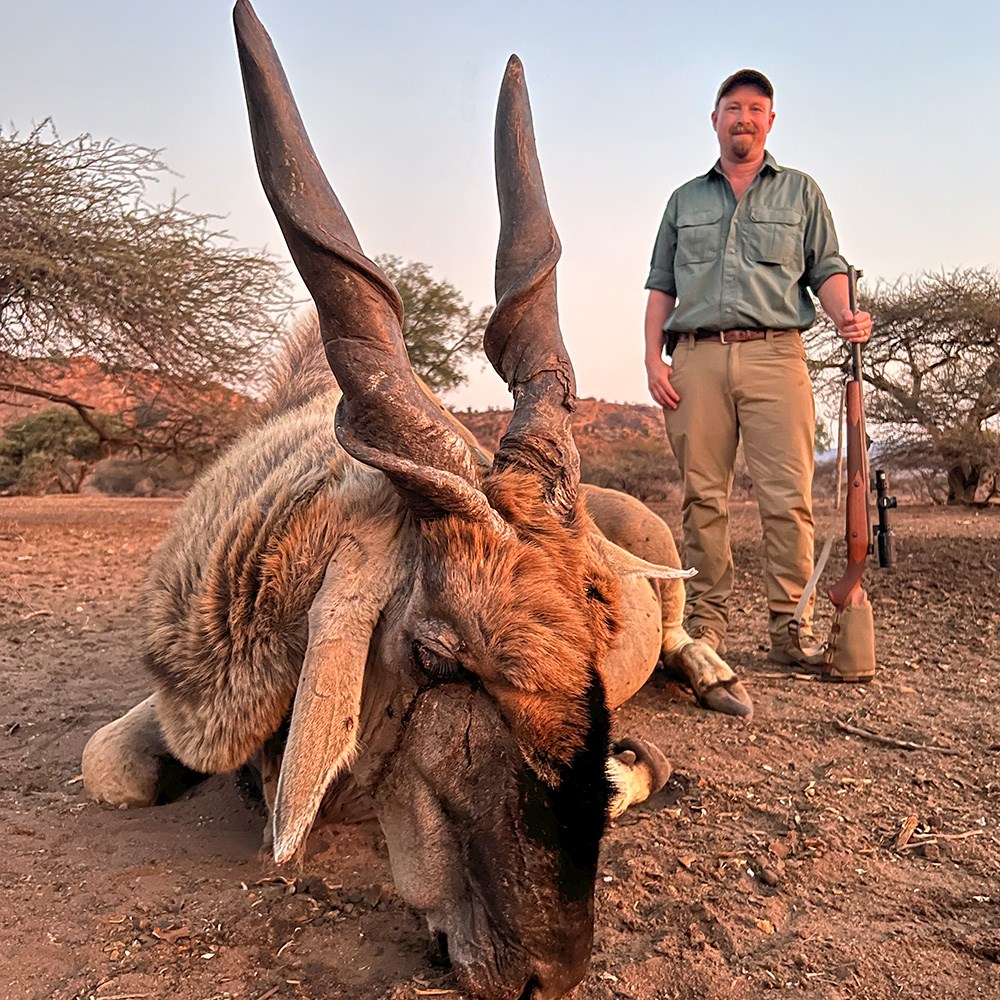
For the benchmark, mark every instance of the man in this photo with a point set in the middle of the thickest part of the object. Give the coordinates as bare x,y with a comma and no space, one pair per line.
736,253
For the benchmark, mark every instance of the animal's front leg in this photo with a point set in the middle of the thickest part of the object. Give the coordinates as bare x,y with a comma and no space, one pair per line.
637,769
714,682
127,763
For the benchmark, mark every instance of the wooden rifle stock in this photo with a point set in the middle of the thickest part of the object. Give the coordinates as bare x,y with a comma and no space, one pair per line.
857,511
850,651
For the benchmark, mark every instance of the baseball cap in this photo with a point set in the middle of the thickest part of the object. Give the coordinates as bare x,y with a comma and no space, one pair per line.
745,78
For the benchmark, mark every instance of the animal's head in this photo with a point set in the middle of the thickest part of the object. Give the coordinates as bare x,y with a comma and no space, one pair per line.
478,630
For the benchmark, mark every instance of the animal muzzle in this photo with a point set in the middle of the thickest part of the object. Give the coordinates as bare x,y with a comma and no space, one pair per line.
535,944
480,845
532,979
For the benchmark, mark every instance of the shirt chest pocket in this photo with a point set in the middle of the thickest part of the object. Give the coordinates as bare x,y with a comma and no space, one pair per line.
698,237
776,236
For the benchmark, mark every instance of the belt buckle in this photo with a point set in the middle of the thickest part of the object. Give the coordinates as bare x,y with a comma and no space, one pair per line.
722,337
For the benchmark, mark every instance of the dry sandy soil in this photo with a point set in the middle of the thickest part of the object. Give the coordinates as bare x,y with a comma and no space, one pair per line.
771,861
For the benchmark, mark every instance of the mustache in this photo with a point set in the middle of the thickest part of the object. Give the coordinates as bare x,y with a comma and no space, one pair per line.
743,130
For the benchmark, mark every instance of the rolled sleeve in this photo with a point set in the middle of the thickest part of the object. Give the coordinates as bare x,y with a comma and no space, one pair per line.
822,250
751,263
661,267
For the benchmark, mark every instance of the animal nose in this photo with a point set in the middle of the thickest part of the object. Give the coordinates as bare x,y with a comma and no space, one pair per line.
530,991
552,987
552,981
545,983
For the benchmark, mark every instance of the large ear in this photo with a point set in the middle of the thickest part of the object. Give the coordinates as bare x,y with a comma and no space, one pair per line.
622,562
322,740
523,340
384,419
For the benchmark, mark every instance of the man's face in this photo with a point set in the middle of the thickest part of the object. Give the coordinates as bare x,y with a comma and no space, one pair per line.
742,121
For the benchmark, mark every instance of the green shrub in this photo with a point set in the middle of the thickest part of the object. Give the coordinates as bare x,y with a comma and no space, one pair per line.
46,451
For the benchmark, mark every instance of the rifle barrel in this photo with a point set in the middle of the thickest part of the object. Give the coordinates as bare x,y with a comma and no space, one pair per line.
852,293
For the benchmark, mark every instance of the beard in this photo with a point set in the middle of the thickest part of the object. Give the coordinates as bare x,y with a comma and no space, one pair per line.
741,144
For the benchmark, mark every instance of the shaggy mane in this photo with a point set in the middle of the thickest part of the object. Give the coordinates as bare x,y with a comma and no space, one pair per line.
298,372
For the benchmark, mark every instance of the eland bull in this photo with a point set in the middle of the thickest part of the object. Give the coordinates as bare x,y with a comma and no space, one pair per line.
391,606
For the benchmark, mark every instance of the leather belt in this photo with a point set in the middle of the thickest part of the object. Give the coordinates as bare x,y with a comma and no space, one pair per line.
735,336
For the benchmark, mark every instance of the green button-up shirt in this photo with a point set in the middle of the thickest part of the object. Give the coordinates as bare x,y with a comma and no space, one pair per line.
749,263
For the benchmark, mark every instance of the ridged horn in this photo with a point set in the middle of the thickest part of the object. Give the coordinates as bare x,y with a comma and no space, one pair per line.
523,340
384,419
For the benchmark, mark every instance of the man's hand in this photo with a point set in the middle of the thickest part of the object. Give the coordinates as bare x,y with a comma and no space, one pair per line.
658,372
855,328
834,296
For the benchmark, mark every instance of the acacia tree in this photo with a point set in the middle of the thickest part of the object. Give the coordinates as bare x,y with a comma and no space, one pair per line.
88,267
51,448
932,370
442,331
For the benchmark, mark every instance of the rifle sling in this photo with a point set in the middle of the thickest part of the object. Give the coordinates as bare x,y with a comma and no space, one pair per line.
810,586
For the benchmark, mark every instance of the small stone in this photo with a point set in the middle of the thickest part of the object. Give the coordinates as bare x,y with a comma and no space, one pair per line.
779,849
313,886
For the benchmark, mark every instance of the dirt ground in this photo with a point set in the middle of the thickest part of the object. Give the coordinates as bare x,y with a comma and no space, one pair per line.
771,861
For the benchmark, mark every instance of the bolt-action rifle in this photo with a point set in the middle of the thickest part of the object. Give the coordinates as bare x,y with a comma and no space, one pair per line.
850,652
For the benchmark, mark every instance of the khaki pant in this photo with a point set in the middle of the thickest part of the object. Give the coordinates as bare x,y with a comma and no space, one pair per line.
758,391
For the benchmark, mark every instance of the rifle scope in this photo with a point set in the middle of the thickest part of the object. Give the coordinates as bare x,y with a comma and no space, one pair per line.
883,532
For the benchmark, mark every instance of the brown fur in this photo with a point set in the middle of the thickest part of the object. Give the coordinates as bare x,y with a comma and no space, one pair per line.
544,610
299,371
228,592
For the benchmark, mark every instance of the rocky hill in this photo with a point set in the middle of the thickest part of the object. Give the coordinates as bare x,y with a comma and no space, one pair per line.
109,429
595,422
621,445
141,397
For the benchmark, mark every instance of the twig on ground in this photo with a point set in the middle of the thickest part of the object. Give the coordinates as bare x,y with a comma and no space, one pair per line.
40,614
788,677
923,837
913,844
907,831
867,734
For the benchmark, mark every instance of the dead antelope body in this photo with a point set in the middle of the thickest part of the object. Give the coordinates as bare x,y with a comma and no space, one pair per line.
387,603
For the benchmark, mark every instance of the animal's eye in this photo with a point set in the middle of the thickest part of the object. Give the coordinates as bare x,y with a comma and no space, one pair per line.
594,593
437,650
432,662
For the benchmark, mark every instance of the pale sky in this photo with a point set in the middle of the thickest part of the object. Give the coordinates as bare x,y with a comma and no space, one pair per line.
894,108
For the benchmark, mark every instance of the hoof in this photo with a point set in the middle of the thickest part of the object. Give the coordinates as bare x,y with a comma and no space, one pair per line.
649,757
126,763
121,761
729,697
